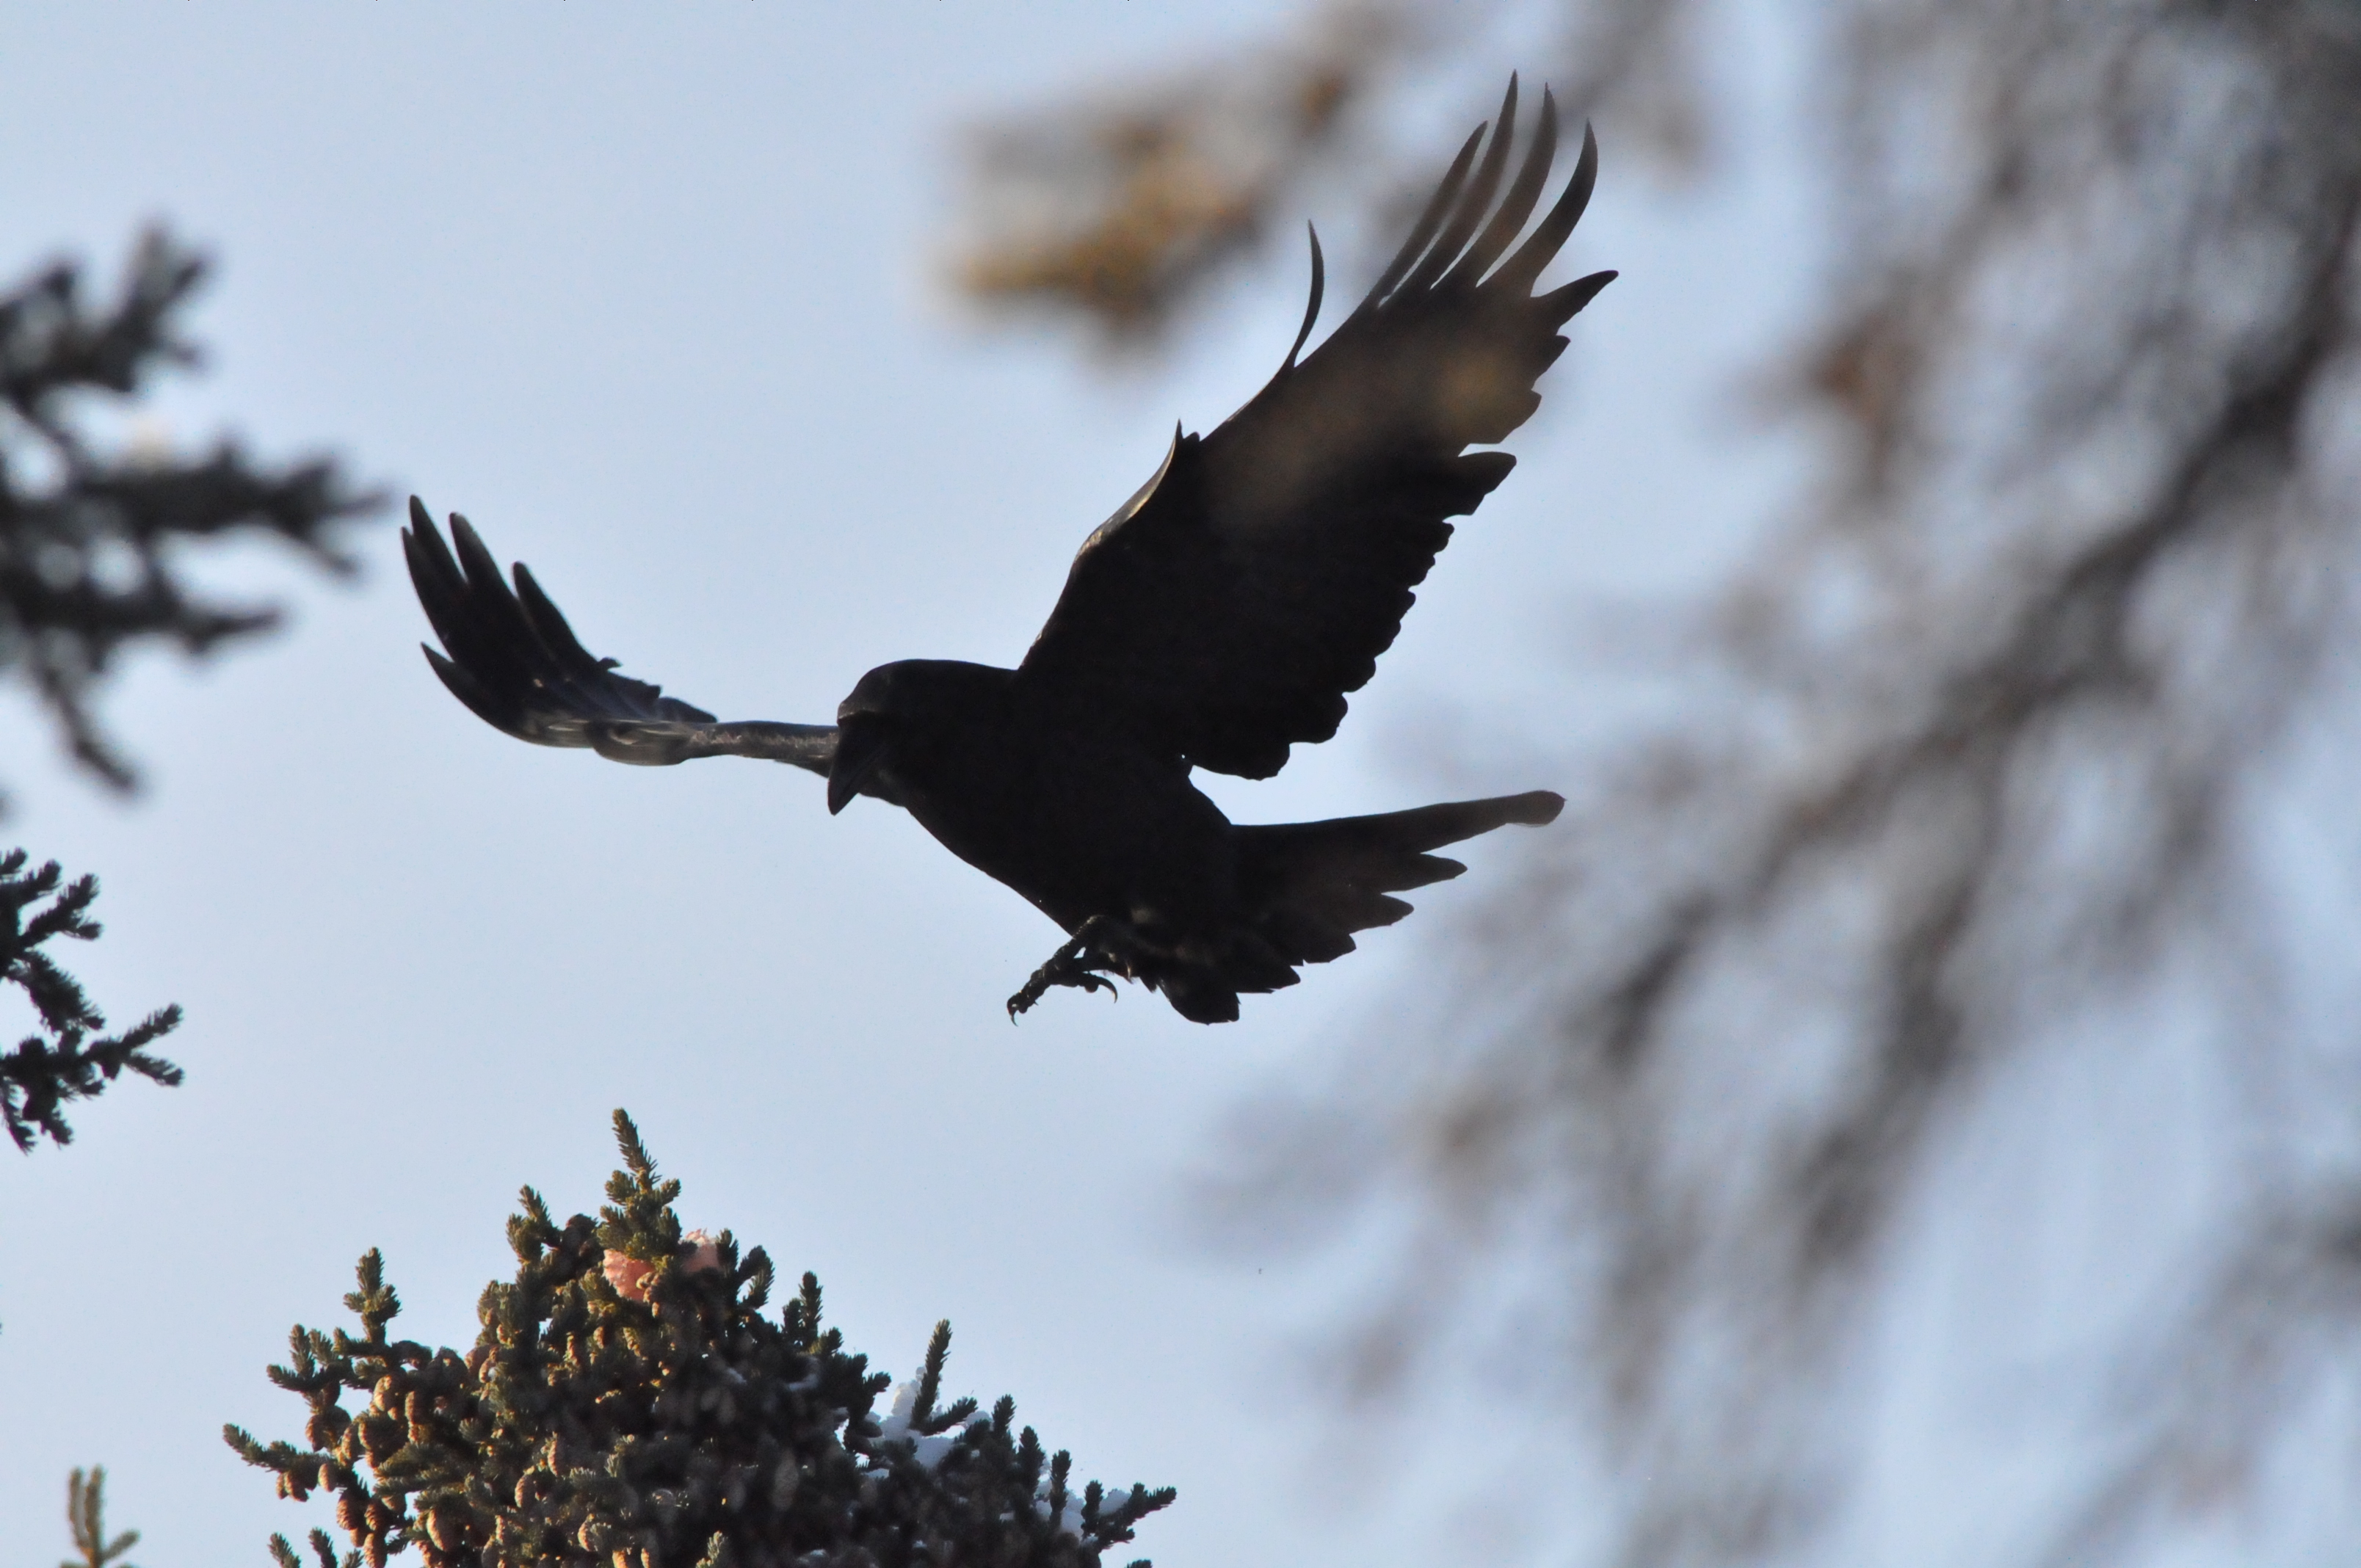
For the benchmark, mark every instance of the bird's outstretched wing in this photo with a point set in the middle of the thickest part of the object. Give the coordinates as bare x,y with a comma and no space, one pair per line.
1223,613
515,663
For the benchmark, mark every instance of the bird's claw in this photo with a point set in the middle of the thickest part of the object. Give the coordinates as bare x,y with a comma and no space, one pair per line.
1077,963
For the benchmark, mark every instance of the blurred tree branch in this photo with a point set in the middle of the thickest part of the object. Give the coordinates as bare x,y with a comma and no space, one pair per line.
1973,767
87,533
1122,209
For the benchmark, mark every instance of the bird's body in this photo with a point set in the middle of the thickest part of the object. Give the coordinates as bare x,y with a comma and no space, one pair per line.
1046,797
1215,620
1030,793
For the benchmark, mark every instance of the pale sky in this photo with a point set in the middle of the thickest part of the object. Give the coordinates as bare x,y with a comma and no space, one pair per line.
653,296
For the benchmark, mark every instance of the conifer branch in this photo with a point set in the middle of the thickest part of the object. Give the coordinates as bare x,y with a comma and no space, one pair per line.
67,1058
86,1517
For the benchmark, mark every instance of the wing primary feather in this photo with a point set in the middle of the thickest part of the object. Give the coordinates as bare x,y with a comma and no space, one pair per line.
549,622
1311,310
421,521
424,546
1428,222
483,573
496,608
470,691
440,586
1568,301
1519,270
1511,219
1473,201
446,595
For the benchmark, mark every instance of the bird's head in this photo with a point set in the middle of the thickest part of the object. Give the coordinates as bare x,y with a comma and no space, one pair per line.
865,725
901,716
903,719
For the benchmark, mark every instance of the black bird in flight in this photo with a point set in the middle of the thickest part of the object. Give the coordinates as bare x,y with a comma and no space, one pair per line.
1215,620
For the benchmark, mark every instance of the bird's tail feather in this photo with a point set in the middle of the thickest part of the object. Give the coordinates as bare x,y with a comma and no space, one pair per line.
1313,884
1306,887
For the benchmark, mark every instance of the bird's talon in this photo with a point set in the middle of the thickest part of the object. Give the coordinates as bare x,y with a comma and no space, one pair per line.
1075,964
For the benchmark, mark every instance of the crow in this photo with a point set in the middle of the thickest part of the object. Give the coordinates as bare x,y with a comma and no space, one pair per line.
1215,620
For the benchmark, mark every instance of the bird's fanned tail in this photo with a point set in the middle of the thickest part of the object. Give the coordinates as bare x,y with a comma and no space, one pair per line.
1305,888
1313,884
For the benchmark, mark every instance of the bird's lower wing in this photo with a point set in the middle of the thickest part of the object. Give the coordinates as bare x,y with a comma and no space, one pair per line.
511,658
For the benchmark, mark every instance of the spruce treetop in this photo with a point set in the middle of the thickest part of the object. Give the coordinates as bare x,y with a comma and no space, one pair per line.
653,1417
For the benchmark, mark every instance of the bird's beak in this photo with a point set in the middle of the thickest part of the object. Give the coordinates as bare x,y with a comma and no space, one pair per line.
861,743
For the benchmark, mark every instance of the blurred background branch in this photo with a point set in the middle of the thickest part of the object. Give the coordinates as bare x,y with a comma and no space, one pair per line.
1990,752
1124,209
89,525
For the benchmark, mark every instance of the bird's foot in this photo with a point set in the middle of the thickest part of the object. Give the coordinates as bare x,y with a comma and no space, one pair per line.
1080,963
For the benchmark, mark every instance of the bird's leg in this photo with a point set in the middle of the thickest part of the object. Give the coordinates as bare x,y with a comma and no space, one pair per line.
1078,963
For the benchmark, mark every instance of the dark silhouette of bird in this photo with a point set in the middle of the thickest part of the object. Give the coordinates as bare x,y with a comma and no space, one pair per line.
1214,622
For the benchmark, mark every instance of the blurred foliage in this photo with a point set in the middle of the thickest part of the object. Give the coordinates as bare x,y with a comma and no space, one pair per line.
1974,761
628,1404
87,1516
1121,209
88,528
64,1062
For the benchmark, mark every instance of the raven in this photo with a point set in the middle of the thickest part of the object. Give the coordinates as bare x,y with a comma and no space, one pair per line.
1214,622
